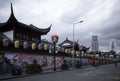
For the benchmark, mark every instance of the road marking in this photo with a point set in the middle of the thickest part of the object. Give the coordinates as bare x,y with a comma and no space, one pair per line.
84,74
114,78
87,73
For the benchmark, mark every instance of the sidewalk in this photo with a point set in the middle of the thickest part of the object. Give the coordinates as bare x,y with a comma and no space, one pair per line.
46,71
10,76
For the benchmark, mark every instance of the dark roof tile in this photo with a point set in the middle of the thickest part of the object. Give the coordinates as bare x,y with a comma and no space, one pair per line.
12,22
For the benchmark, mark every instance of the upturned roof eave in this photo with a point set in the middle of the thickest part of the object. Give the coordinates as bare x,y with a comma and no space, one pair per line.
13,22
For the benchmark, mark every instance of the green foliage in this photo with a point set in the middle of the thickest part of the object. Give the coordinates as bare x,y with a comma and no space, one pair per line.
78,65
64,65
33,68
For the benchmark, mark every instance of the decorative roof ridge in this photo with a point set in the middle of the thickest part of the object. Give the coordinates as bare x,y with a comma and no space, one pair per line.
12,17
11,9
31,25
13,22
66,41
44,30
66,38
2,23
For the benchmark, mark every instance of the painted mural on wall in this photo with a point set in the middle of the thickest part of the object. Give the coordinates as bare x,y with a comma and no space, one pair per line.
1,58
1,62
7,61
23,59
13,58
45,61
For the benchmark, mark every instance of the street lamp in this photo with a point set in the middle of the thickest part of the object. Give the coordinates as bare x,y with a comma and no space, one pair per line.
54,40
73,42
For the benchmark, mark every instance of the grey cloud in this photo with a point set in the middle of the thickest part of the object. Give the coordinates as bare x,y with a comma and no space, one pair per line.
4,3
80,10
108,29
111,27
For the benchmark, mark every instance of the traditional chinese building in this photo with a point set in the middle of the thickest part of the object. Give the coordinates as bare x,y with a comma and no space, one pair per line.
21,31
13,30
79,50
67,44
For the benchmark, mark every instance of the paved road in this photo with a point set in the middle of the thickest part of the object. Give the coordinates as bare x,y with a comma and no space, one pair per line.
99,73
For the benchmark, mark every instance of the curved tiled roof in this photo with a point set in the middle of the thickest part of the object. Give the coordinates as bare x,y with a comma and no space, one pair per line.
12,23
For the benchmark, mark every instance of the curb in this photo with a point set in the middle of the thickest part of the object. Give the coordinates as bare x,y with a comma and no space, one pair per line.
26,75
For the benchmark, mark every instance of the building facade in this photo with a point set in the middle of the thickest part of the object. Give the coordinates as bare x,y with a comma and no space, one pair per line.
113,45
95,43
15,34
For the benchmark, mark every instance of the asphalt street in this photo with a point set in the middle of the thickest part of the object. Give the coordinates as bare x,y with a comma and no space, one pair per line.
100,73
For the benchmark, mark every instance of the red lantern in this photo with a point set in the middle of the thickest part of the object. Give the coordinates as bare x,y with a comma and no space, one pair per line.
54,38
80,47
40,47
5,42
25,45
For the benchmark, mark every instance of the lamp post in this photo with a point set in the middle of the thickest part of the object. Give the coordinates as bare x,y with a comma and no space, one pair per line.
73,42
54,40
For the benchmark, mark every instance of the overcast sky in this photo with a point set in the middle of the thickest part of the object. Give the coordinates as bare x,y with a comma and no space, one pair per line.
101,17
